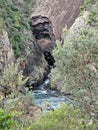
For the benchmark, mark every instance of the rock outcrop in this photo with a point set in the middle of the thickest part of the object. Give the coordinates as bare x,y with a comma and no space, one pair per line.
43,31
79,24
59,12
36,66
6,51
38,63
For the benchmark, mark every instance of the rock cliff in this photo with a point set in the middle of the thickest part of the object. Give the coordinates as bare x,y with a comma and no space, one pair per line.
43,31
47,21
36,66
6,51
59,12
79,24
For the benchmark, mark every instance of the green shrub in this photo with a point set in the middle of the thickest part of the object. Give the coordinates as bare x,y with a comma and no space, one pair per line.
6,121
15,16
65,118
92,7
12,80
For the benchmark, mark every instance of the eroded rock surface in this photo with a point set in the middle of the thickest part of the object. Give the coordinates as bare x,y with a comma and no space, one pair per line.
44,43
6,51
43,32
79,24
59,12
36,67
48,19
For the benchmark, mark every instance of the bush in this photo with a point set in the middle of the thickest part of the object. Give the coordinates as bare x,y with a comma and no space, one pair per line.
76,70
65,118
92,7
12,80
15,15
6,121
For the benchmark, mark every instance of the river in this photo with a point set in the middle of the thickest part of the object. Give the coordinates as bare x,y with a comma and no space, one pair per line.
44,98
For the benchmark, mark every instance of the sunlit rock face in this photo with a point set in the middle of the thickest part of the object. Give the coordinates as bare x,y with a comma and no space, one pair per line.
79,24
6,51
59,12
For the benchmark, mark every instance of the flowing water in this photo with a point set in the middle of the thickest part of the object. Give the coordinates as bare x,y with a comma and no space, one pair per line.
46,100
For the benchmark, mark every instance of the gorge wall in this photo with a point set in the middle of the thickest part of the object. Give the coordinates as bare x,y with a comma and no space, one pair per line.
6,51
59,12
47,21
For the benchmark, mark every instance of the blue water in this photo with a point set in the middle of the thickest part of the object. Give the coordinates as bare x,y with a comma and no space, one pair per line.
46,100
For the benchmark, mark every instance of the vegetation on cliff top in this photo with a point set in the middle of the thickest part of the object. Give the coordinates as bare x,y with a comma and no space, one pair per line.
92,7
15,17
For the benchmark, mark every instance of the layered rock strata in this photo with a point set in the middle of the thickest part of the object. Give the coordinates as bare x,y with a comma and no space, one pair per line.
59,12
43,32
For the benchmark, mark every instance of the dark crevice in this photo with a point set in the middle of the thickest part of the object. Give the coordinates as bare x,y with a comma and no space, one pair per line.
49,58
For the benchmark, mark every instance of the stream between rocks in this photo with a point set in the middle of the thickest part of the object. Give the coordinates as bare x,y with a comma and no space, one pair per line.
44,98
45,38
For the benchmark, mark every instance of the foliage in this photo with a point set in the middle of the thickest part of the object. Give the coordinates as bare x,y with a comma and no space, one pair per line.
92,7
12,80
1,25
15,15
65,118
6,121
17,106
76,69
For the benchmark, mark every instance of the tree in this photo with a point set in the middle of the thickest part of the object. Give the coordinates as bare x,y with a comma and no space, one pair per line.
12,80
77,69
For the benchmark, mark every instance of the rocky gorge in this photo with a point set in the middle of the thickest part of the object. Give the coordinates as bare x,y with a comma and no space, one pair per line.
47,19
48,64
47,22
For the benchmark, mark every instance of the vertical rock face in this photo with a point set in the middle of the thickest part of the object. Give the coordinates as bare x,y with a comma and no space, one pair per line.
44,37
79,24
60,12
36,66
48,13
6,51
38,62
43,32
